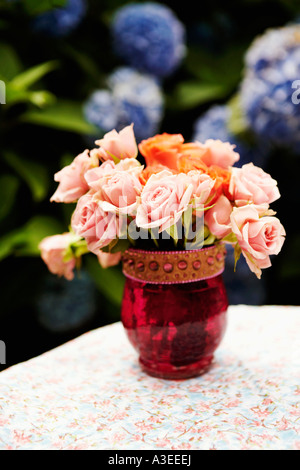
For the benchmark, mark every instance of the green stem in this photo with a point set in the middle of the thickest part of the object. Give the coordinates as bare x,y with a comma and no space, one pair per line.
153,238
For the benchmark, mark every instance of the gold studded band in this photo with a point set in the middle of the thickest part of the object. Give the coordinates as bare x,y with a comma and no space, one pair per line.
172,267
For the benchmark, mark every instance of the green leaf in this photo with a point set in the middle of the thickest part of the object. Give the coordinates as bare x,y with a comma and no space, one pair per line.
25,240
64,115
9,242
14,96
196,244
237,123
37,98
230,238
79,248
41,98
34,231
153,237
29,77
237,254
114,158
209,240
34,174
9,185
187,218
66,160
112,245
10,62
215,77
17,89
173,232
206,231
117,245
110,281
193,93
34,7
212,68
121,245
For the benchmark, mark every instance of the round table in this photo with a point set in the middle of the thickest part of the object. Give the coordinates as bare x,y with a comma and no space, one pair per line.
90,393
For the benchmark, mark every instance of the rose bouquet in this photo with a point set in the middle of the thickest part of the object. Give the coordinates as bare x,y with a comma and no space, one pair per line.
163,194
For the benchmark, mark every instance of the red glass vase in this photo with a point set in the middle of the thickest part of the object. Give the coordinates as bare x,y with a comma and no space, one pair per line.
174,309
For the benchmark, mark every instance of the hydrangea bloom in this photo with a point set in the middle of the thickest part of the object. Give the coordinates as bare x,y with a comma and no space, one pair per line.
61,21
63,305
272,67
139,99
149,37
214,125
271,48
132,97
100,110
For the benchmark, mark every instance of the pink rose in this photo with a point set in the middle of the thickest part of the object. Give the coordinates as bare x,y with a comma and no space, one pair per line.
251,184
72,184
218,217
258,237
53,251
107,260
117,185
130,165
94,177
163,200
202,186
92,223
119,192
218,153
119,145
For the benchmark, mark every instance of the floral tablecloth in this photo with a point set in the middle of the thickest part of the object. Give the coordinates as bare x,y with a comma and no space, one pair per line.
91,394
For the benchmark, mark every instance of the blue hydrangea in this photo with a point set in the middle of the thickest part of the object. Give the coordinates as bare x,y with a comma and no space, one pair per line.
139,99
214,125
100,110
61,21
149,37
65,305
272,48
272,67
131,97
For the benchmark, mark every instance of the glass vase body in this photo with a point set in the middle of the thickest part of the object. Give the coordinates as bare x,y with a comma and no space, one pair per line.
175,327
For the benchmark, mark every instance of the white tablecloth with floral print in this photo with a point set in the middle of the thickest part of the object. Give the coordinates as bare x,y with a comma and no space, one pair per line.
91,394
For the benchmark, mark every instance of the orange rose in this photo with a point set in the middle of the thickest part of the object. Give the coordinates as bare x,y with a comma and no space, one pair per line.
188,162
219,175
193,150
151,170
222,178
169,151
162,149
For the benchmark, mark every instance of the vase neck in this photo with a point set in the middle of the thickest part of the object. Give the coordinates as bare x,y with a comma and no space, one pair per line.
174,267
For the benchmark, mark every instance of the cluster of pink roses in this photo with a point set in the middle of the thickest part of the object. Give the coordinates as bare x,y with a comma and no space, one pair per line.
112,190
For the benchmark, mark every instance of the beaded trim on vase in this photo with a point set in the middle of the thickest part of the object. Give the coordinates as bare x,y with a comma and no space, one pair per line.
172,267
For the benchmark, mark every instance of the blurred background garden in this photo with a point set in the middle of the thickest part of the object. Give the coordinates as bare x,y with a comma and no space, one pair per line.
71,70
